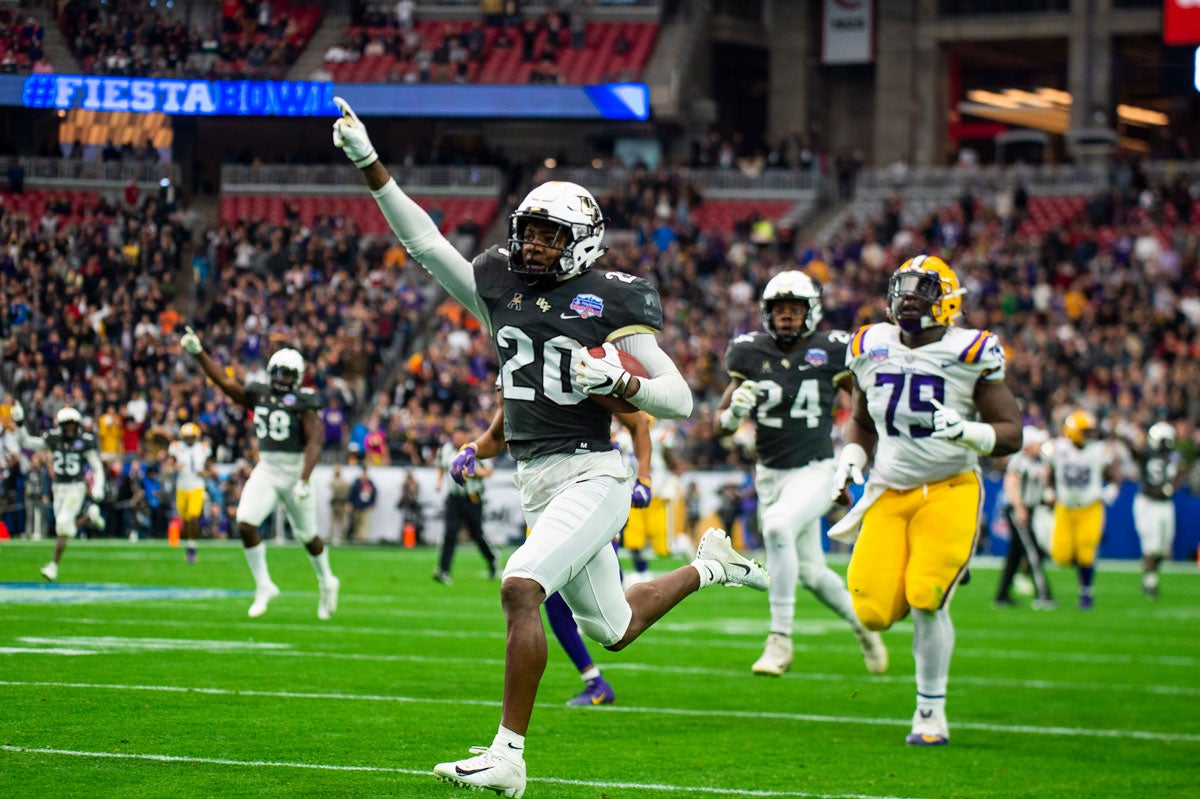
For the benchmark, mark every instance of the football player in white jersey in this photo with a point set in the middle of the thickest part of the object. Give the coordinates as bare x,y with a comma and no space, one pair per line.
1084,478
1154,506
189,459
71,448
929,399
546,308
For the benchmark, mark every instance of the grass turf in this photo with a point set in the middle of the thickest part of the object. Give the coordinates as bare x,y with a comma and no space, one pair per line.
176,693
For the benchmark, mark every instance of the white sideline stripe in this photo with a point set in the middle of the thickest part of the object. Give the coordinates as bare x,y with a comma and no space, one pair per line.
1093,658
1075,732
219,761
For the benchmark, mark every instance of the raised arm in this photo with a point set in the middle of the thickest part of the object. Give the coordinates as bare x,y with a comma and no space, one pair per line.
412,226
191,343
24,440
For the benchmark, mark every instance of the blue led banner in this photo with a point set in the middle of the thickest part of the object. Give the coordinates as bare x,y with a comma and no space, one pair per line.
315,99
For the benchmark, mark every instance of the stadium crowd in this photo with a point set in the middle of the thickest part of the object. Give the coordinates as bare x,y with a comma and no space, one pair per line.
1101,312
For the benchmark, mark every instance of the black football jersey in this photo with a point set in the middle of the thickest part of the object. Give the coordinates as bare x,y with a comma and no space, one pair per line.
277,416
794,415
536,328
68,456
1157,472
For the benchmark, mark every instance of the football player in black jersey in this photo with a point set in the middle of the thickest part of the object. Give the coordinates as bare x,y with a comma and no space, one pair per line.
786,379
544,306
71,448
1154,506
289,432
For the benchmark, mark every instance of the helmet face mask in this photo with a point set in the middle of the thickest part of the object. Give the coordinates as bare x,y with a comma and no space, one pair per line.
556,232
791,286
924,293
285,369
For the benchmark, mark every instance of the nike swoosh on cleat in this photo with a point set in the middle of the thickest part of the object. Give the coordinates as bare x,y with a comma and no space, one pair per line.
463,772
742,566
597,700
515,748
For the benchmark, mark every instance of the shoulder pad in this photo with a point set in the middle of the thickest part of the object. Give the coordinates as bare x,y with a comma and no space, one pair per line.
857,346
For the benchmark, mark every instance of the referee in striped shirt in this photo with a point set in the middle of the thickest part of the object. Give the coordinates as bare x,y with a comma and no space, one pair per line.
1025,483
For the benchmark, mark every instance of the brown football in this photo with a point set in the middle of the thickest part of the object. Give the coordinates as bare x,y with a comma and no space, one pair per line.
633,366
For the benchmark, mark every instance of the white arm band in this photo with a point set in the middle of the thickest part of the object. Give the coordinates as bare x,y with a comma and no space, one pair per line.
429,247
979,436
664,394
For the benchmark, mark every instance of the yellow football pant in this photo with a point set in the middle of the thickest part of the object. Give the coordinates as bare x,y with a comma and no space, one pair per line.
190,504
913,548
648,525
1077,534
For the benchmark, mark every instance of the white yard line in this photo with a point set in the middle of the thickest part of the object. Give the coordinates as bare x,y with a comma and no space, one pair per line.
1072,732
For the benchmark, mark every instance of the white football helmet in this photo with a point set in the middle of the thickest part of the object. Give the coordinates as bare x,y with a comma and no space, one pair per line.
285,369
792,285
1161,436
68,416
581,230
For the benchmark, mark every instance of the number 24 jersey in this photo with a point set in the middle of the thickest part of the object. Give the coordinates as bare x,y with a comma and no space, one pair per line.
900,384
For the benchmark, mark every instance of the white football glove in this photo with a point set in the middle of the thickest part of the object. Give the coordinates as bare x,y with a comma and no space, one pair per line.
1109,493
17,412
600,375
948,424
743,399
191,342
350,136
97,494
301,490
849,468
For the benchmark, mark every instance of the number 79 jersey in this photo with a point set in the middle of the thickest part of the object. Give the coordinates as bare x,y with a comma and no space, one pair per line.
901,384
277,422
794,415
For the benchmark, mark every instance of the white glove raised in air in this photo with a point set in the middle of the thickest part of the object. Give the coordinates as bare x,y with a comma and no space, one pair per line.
17,413
350,136
600,375
191,342
849,469
301,490
948,424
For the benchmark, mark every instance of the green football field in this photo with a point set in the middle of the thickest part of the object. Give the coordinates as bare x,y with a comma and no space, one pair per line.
138,675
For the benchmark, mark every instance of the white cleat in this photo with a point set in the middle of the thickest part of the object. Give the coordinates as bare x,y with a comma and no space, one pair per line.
262,598
929,729
50,571
487,771
776,657
874,652
327,603
739,570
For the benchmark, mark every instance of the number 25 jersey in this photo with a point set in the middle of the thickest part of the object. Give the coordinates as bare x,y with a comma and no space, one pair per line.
900,385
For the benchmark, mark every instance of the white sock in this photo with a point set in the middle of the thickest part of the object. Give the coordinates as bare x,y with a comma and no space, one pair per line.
933,643
711,572
511,744
590,674
783,565
256,557
321,565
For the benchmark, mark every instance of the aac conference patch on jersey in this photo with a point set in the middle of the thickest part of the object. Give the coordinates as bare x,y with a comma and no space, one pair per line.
587,305
816,357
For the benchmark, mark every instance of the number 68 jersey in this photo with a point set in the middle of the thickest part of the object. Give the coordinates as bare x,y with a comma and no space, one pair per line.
901,385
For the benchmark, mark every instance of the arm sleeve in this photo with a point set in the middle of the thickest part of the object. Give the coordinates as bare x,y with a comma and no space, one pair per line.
429,247
664,394
93,459
27,441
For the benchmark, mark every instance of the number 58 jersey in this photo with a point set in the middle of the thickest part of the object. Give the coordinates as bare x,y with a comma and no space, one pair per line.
277,424
901,385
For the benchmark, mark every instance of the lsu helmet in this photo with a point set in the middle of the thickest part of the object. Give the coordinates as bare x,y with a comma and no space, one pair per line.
190,430
1161,436
791,285
1078,427
574,211
929,281
285,369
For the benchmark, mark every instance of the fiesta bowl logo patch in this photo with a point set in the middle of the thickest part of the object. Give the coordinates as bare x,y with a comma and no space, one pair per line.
587,305
878,354
816,357
288,399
